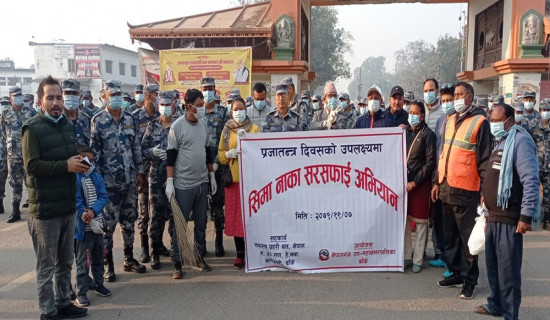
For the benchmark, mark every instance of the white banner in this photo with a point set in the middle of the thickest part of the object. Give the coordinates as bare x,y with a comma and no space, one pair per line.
63,51
324,201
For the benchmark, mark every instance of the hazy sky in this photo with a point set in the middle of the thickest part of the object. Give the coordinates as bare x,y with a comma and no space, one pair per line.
377,29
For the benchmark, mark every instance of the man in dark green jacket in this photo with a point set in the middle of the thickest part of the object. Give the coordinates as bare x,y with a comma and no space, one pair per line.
51,161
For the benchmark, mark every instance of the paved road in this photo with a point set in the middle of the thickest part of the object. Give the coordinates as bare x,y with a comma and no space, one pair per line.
226,293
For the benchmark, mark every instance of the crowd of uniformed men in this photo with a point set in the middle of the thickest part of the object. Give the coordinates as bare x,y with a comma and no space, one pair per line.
129,135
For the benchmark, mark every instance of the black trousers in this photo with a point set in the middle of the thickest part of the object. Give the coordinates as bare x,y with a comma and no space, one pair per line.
458,222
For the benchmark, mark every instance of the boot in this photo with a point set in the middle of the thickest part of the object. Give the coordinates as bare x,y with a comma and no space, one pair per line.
144,256
155,264
109,275
16,214
220,252
131,264
2,206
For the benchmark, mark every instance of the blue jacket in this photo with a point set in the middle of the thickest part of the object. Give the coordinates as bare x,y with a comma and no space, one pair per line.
81,205
380,121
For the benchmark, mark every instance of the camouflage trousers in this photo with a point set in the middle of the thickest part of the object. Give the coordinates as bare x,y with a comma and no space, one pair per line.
3,177
121,208
545,206
143,209
217,202
16,177
161,211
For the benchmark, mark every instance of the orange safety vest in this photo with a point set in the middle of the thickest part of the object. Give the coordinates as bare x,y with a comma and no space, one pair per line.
458,163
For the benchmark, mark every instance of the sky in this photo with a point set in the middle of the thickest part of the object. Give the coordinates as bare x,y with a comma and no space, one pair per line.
378,29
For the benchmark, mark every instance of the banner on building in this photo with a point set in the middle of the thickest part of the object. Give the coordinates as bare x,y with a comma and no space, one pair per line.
149,66
86,59
183,69
325,201
63,51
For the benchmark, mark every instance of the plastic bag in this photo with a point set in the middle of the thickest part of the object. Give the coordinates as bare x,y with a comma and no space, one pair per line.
476,242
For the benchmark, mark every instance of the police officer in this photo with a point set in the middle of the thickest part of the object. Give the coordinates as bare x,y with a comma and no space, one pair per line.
531,115
127,101
80,120
139,97
541,136
216,117
282,119
4,104
118,159
142,117
295,103
28,101
153,146
348,109
88,104
316,105
305,95
12,122
408,98
260,107
519,115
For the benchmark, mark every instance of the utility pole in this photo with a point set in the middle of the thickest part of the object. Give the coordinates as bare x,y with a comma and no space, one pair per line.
359,86
462,18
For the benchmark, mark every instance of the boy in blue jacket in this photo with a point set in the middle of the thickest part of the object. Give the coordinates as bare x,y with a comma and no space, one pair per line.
91,198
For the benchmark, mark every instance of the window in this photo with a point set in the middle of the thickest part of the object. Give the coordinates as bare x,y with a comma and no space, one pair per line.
122,68
12,81
3,81
70,65
134,71
108,66
27,80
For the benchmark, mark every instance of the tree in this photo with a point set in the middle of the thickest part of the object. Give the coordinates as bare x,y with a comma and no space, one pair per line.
372,71
329,43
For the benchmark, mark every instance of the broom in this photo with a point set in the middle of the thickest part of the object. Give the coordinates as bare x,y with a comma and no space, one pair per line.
186,242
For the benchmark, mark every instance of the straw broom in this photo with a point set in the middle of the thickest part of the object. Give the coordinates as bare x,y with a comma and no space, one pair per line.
186,241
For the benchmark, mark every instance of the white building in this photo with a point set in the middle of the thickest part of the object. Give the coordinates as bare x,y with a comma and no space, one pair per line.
91,64
11,76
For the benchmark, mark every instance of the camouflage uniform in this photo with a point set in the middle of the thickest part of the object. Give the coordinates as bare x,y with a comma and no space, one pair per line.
215,121
12,122
159,206
142,119
3,168
300,107
82,127
275,123
118,159
541,136
533,120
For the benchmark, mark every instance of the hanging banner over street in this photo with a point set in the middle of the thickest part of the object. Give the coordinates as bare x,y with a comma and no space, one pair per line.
183,69
86,59
149,66
324,201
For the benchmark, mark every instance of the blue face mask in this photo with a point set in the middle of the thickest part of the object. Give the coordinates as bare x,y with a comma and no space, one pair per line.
157,103
18,100
55,120
306,101
528,105
4,107
115,102
139,97
316,106
333,103
26,104
497,129
545,115
71,102
448,107
165,111
86,103
518,117
260,105
430,97
126,104
344,104
208,96
414,120
89,171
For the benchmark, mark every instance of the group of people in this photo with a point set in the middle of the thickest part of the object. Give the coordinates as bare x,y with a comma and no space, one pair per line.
126,160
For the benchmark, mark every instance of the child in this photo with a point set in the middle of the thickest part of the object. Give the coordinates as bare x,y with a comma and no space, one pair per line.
91,197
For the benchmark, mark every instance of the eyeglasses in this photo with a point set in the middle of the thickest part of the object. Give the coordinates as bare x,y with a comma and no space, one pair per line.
448,86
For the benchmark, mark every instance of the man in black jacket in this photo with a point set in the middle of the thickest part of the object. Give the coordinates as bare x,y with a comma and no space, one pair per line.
395,112
50,160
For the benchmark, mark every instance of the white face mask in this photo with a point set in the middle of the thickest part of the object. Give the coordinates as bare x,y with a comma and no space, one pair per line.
239,116
201,111
373,105
460,106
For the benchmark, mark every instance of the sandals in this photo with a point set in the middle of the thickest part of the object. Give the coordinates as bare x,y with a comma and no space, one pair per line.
484,309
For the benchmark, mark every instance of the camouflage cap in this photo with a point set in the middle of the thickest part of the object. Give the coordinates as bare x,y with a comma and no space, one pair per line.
408,96
497,99
344,96
5,99
217,98
86,94
362,102
208,82
281,88
166,97
150,88
176,94
138,88
305,94
545,105
126,95
482,101
518,106
28,97
70,85
15,91
235,92
316,98
112,86
288,81
529,94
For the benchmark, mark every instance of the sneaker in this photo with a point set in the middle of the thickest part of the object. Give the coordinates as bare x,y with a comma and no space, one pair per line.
71,311
49,317
467,292
178,274
239,263
102,291
416,268
82,301
438,263
407,264
452,281
204,266
447,273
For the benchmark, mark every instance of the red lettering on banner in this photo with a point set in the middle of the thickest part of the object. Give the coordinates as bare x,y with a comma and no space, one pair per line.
328,173
367,181
287,181
257,199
